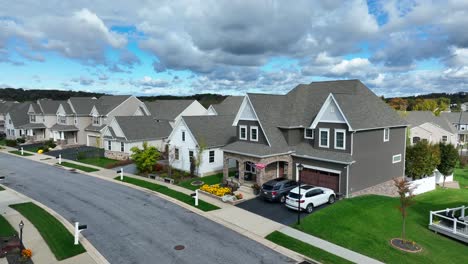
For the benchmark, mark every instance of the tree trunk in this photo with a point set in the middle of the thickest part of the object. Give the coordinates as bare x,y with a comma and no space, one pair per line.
403,233
443,184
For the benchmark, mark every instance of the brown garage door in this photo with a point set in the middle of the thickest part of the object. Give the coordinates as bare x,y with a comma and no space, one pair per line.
321,178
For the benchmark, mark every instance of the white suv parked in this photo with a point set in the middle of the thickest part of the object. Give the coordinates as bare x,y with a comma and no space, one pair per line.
311,197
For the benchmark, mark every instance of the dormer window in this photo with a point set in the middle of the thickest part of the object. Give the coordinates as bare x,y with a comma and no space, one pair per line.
61,119
254,133
96,120
243,132
324,138
32,118
309,133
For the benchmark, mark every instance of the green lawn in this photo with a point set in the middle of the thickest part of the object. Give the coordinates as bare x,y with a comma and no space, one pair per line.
213,179
99,161
461,175
305,249
6,229
18,152
57,237
366,224
2,142
78,167
202,205
1,188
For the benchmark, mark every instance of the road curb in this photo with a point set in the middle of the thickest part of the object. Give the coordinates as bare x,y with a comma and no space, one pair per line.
90,249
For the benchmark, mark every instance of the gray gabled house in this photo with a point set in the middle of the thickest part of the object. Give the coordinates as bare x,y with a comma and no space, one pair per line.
345,136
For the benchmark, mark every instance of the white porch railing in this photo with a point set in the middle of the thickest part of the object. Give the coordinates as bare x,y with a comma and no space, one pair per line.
454,223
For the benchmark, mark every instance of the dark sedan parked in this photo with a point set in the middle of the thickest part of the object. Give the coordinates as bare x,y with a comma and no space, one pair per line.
277,189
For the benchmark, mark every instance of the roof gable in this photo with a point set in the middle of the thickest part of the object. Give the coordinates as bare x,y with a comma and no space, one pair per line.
330,113
167,109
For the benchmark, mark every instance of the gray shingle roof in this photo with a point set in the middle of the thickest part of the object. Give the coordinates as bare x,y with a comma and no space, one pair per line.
33,126
229,106
83,105
19,114
167,109
416,118
49,107
306,150
454,117
5,105
137,128
213,131
107,103
59,127
94,128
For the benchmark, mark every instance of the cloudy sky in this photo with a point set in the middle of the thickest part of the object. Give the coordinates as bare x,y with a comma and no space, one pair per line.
230,47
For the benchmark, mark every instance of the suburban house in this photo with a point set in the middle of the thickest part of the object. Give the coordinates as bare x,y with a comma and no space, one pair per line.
35,130
172,110
4,107
346,137
208,134
105,109
228,106
464,107
81,108
460,121
125,132
16,117
424,125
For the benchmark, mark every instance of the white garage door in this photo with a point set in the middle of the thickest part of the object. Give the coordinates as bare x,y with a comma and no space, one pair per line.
93,141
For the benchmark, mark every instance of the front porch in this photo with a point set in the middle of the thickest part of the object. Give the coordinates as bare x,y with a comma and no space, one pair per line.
251,170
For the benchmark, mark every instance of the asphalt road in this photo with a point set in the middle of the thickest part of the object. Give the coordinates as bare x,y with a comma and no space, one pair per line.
275,211
131,226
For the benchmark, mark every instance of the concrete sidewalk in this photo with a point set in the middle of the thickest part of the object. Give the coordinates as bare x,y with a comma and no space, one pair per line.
31,236
249,224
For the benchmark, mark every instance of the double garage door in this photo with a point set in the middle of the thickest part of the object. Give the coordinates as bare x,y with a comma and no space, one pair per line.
321,178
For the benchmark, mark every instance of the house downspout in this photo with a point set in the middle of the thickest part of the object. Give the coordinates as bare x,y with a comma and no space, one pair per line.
347,181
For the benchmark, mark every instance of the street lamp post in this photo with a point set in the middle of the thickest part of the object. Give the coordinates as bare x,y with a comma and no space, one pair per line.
300,167
21,225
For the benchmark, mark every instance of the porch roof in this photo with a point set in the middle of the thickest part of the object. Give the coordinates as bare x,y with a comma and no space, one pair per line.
95,128
33,126
307,151
254,149
63,128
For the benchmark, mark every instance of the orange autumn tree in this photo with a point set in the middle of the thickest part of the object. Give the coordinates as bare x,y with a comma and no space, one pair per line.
405,193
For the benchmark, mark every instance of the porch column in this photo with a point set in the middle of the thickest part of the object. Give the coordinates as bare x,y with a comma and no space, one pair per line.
290,169
260,176
241,170
225,169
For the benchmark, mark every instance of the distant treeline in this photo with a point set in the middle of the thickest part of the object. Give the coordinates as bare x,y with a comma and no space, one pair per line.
21,95
435,102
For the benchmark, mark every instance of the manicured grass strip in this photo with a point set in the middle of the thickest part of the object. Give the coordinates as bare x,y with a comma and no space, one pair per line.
2,142
78,167
202,205
57,237
18,152
99,161
6,229
461,175
305,249
210,180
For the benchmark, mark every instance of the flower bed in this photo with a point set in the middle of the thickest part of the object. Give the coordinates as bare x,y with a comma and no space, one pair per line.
216,189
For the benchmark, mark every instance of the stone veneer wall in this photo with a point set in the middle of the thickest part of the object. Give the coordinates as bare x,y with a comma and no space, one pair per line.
116,155
386,188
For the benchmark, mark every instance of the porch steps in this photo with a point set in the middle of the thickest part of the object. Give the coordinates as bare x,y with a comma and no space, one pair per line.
246,189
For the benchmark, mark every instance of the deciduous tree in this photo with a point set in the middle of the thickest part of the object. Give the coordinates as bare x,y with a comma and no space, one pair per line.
448,159
145,158
422,159
405,193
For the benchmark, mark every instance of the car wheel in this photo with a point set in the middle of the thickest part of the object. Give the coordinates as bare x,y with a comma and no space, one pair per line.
283,199
310,208
331,199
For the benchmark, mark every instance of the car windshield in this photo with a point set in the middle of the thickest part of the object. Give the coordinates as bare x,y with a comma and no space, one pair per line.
294,195
267,187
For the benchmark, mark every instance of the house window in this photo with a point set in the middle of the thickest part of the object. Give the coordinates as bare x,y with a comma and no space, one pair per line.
190,155
396,158
183,135
416,140
324,137
62,119
309,133
444,138
249,167
176,154
122,146
9,121
243,132
76,120
21,132
33,118
212,156
96,120
254,133
340,139
109,145
386,134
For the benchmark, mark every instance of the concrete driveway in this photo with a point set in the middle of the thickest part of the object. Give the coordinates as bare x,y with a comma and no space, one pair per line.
275,211
131,226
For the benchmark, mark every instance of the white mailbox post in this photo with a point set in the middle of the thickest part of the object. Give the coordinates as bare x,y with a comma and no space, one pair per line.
78,229
195,195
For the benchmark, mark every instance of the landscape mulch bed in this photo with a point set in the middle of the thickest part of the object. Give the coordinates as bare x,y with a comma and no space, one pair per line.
407,246
11,245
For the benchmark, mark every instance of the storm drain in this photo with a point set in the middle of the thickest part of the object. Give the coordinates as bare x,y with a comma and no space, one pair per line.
179,247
